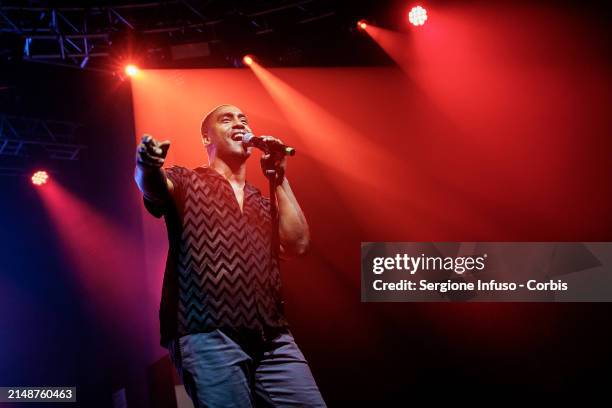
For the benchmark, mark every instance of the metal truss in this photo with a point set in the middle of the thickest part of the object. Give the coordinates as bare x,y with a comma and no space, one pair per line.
77,36
22,137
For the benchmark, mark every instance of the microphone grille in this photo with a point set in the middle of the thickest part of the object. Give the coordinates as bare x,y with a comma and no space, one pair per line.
247,137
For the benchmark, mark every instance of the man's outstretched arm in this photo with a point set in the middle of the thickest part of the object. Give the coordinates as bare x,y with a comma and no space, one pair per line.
149,175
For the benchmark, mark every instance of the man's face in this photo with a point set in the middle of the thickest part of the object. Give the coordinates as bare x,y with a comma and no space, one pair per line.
225,131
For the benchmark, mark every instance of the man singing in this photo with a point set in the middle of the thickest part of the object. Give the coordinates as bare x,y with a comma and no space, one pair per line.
221,312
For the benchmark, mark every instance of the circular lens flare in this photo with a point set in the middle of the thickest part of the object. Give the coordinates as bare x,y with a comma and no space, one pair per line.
417,16
39,178
132,70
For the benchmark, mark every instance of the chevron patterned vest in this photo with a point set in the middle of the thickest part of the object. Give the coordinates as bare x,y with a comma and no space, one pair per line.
219,271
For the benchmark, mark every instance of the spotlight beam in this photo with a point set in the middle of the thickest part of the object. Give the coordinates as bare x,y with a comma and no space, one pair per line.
347,144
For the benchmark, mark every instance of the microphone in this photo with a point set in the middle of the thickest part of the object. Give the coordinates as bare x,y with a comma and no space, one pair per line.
268,146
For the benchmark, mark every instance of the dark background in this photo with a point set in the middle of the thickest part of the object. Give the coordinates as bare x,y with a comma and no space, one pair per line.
376,354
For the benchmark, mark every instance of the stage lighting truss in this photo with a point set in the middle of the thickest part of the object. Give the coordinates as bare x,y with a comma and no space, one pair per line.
22,137
90,37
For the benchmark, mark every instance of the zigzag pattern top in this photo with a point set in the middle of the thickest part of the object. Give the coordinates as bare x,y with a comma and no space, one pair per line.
219,272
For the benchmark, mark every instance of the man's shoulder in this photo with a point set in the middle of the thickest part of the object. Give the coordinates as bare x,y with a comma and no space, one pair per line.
177,170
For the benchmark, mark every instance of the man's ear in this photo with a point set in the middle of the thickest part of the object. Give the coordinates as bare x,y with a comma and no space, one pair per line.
205,139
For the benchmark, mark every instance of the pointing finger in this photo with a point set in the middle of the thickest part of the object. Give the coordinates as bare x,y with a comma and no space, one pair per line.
164,146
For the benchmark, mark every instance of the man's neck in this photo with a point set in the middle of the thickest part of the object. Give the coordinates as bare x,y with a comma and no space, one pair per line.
234,173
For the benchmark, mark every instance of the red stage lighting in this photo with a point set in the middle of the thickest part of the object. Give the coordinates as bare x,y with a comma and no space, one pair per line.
361,24
417,16
248,60
131,70
39,178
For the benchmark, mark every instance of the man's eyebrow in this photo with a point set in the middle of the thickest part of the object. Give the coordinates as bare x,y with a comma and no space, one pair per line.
225,115
229,115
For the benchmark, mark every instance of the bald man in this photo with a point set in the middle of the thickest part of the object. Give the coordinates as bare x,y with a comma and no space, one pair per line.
221,311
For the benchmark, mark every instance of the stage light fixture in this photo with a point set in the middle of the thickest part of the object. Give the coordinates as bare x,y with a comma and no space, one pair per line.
131,70
247,60
362,25
417,16
39,178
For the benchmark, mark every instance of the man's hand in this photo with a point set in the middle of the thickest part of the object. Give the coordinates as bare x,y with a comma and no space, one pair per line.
274,164
151,153
149,175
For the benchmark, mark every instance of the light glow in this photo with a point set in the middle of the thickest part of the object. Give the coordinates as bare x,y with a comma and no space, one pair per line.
40,177
132,70
248,60
417,16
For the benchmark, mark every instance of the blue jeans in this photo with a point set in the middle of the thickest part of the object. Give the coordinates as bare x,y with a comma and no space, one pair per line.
225,369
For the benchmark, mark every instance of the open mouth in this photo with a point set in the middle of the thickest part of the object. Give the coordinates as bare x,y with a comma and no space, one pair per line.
238,136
